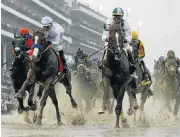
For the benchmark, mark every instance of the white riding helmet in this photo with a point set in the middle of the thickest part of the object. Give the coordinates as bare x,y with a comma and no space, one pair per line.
46,21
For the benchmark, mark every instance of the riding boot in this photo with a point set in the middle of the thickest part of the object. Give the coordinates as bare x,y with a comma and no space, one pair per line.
61,53
132,62
146,75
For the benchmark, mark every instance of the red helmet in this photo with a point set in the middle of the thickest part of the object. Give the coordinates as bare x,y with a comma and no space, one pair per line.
23,31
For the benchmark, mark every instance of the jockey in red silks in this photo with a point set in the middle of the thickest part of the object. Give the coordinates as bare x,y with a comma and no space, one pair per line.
24,34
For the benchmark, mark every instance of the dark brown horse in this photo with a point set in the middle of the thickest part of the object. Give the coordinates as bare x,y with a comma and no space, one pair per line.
116,70
45,70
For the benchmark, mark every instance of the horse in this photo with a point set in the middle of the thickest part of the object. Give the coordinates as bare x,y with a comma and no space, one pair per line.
157,76
19,71
87,85
116,71
141,88
170,85
46,69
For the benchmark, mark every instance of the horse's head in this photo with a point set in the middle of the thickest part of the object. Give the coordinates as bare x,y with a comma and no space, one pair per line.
171,67
18,46
81,69
115,43
39,37
40,43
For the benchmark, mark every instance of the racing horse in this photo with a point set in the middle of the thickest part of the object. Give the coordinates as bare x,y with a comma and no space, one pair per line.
46,69
116,71
84,81
141,87
157,77
170,85
19,71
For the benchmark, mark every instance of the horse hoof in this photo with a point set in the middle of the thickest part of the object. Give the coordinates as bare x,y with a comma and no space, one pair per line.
38,122
20,111
117,126
124,120
74,105
26,117
110,111
59,123
101,111
136,106
125,125
26,109
33,107
130,111
27,120
34,119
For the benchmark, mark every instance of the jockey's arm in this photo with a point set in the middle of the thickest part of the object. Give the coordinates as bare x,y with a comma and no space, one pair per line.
58,39
127,34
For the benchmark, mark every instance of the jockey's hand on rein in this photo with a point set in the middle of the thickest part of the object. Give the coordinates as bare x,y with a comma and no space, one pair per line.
48,43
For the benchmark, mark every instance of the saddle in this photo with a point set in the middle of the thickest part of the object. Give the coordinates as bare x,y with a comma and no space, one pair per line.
60,64
61,67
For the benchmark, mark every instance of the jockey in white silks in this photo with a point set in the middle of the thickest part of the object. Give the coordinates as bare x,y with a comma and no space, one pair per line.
54,34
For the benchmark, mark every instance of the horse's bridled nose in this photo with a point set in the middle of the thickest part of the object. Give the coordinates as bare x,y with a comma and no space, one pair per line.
172,69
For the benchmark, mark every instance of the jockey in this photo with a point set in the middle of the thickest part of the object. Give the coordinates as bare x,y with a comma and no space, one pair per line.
139,53
117,17
24,33
161,58
54,34
171,55
79,55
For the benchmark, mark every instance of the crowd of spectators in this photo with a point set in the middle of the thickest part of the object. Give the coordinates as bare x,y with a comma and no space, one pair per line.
58,6
20,8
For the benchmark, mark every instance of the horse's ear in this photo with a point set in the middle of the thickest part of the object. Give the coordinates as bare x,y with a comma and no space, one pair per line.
14,35
104,26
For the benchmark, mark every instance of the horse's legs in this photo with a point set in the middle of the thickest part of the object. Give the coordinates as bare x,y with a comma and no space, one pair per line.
52,95
136,106
67,84
28,82
106,86
88,103
30,99
154,101
168,105
43,100
144,95
119,95
131,102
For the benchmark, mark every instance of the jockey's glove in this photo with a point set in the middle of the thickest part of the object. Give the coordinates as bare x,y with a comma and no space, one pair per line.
133,66
49,42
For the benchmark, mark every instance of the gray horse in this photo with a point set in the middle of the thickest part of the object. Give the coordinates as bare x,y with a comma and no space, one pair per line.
170,85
